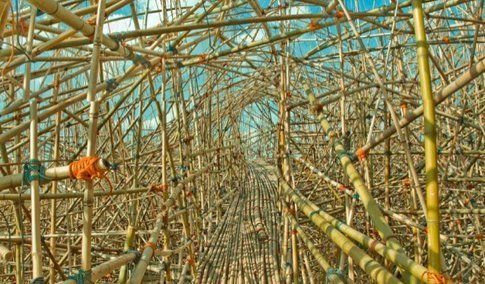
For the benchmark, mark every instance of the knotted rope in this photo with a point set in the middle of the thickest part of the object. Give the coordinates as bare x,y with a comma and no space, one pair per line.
86,169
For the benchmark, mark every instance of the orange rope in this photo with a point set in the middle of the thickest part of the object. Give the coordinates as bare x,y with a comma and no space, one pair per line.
313,26
159,188
361,154
190,261
86,169
434,278
151,245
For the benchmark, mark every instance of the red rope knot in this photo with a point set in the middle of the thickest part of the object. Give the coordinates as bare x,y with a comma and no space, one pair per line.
404,106
188,193
314,25
406,182
22,26
187,139
361,154
317,108
434,278
342,187
190,261
151,245
294,232
202,57
291,211
446,40
159,188
339,14
86,169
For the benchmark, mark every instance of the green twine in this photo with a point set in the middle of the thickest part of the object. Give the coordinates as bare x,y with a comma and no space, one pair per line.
33,170
38,280
79,277
332,271
314,212
356,196
341,154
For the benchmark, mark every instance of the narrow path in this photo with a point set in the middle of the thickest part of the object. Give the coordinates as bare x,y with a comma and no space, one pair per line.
244,245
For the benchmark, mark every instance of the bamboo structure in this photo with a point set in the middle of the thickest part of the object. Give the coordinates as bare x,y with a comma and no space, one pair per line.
231,141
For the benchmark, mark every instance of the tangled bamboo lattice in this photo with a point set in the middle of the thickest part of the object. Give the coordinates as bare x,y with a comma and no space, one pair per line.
231,141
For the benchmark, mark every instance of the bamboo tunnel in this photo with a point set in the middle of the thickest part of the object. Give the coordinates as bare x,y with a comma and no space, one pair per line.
232,141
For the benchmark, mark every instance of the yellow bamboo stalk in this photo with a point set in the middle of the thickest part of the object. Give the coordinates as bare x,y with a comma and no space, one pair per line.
430,148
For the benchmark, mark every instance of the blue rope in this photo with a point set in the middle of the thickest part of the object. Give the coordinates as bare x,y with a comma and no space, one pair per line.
138,59
112,84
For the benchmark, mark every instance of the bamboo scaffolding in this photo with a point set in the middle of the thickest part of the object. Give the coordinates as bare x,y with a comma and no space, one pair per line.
248,142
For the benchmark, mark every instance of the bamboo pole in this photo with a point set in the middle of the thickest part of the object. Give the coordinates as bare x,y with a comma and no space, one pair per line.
430,144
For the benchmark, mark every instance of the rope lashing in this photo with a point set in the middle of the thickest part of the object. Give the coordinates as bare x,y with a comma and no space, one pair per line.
341,154
138,59
137,254
314,212
361,154
33,170
86,169
79,277
314,25
342,187
151,245
159,188
333,271
356,196
190,261
111,85
183,168
38,280
434,278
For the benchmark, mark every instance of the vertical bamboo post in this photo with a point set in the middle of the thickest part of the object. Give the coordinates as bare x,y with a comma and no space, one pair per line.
432,190
91,146
35,167
52,271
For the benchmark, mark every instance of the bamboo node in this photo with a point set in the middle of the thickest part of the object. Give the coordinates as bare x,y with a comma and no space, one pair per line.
361,154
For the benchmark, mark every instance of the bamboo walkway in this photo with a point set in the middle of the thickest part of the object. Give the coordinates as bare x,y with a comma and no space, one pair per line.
244,244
